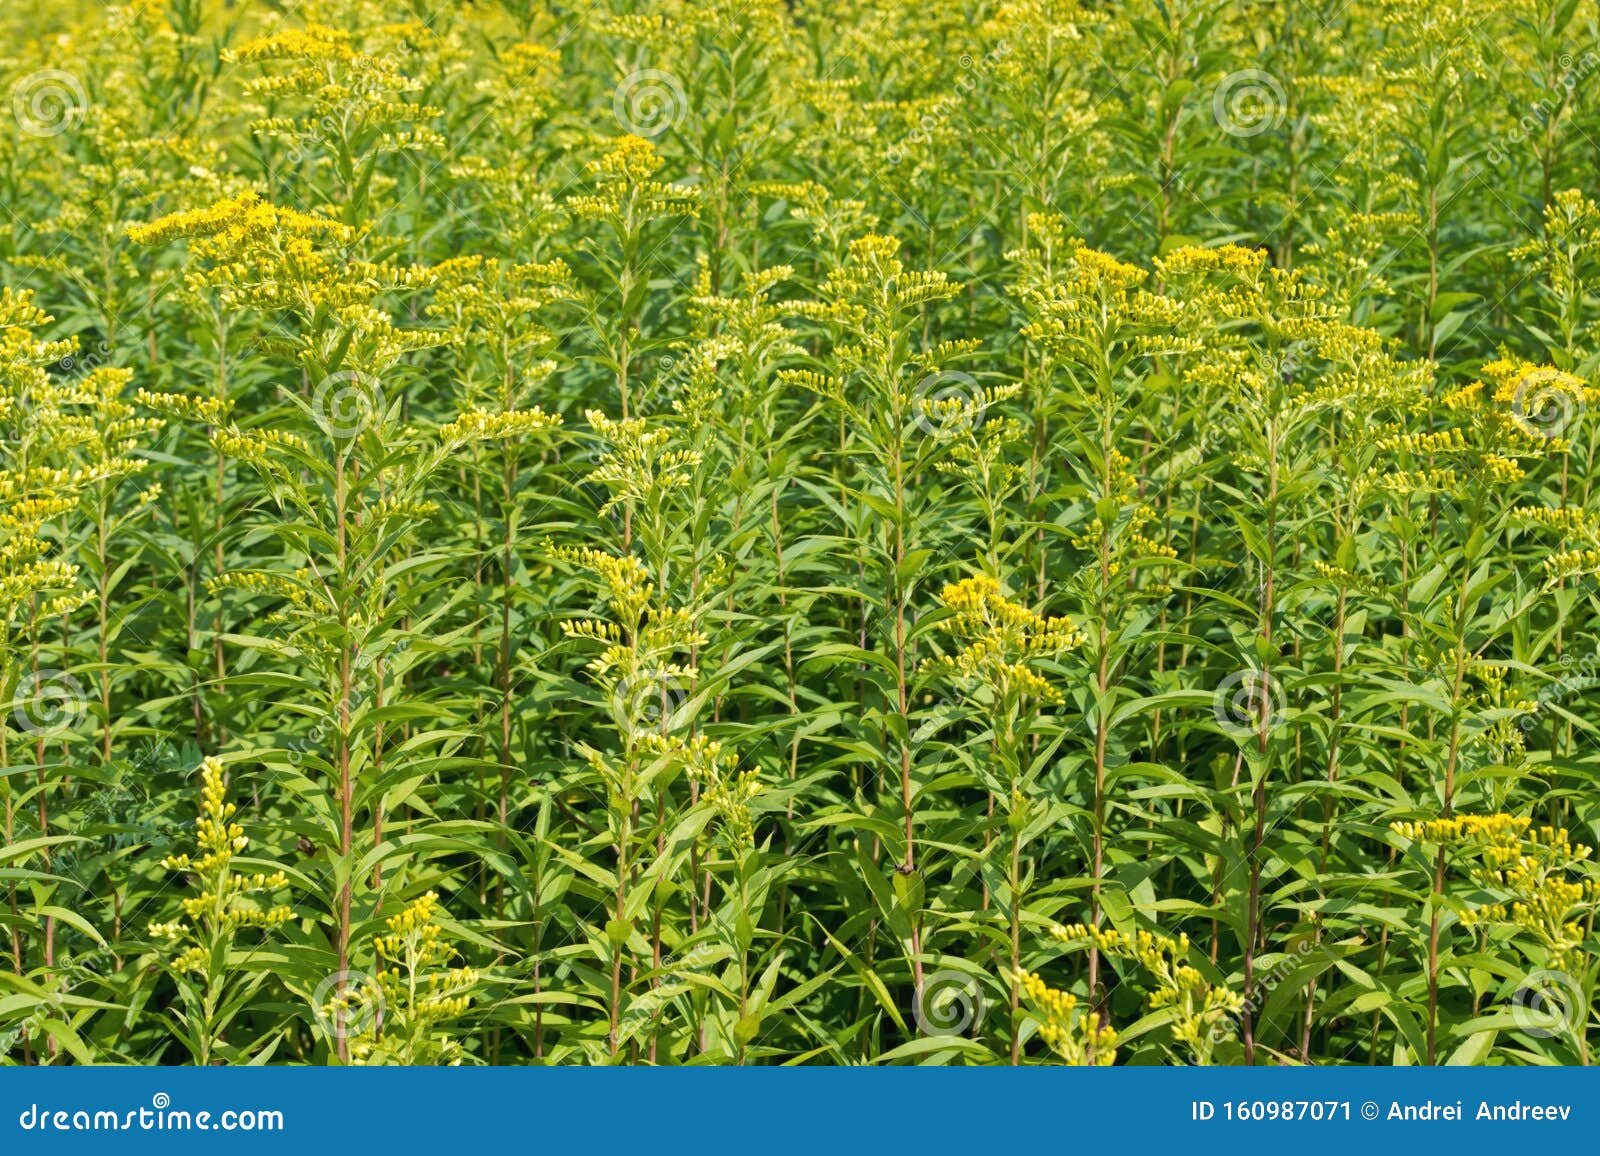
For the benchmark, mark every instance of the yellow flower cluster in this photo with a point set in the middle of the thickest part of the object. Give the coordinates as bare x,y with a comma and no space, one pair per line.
503,303
262,448
477,425
294,588
626,581
626,194
809,379
1501,470
310,42
714,769
1350,579
637,665
1446,441
352,95
202,410
1511,380
63,441
234,223
417,992
1572,563
1566,520
640,463
1203,261
1463,829
1094,302
961,413
527,59
1529,868
1000,637
1409,483
1201,1010
1075,1035
225,901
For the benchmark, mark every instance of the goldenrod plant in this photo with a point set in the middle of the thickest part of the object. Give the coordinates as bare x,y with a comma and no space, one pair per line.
994,668
762,510
1075,1035
1195,1010
215,973
409,1005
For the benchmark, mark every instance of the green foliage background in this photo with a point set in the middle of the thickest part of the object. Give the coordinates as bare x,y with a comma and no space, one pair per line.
750,532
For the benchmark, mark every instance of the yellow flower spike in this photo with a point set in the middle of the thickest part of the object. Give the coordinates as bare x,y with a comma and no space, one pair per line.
224,901
1203,1011
1526,869
1075,1036
1000,636
416,1006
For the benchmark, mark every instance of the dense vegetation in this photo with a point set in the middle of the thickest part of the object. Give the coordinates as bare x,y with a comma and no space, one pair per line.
725,531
